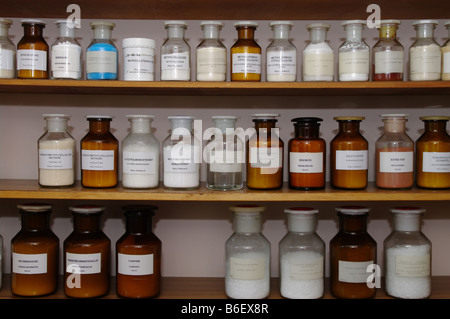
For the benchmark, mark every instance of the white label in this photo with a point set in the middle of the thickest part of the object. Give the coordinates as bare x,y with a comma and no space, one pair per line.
226,162
6,59
83,263
246,63
351,160
101,62
55,159
354,62
412,266
135,265
29,264
396,162
306,269
181,158
139,163
66,57
321,64
282,62
175,61
354,271
211,60
303,162
138,62
436,162
97,160
446,63
389,62
425,59
247,268
266,157
32,60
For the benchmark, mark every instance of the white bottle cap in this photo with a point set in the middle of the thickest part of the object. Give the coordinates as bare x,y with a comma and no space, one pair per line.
265,116
428,21
111,25
318,25
363,22
246,24
281,23
87,209
175,22
212,23
138,43
353,210
35,207
32,21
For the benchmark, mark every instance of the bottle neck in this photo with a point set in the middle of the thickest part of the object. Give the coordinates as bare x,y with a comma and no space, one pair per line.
435,126
211,32
407,222
388,31
186,124
35,221
4,30
33,30
264,125
353,223
425,31
246,33
394,126
281,32
102,33
65,31
349,126
317,35
354,33
86,222
301,223
139,224
99,126
247,224
140,126
307,131
175,32
56,125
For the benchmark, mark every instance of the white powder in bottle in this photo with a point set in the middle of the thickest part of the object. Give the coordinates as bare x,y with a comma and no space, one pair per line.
211,64
318,62
181,172
66,61
140,166
425,63
56,162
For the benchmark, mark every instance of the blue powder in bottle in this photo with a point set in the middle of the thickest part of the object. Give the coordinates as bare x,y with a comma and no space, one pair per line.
102,59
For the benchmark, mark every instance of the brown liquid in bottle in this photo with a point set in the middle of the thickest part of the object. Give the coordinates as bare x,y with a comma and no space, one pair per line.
246,44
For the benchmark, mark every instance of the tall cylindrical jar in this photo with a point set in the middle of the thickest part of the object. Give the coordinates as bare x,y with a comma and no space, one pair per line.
138,59
246,53
211,53
32,51
7,51
175,53
66,53
446,55
318,56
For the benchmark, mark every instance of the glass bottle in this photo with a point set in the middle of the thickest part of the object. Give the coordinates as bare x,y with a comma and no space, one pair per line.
138,255
66,53
354,53
318,56
247,256
225,156
101,54
349,155
211,53
445,76
7,51
394,154
34,253
302,256
56,153
352,250
140,154
181,155
265,154
99,154
32,51
407,256
281,54
307,155
387,53
246,53
433,154
175,53
86,254
425,53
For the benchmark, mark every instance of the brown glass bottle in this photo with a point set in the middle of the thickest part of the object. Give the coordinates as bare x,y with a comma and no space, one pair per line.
307,154
99,154
138,255
265,154
32,51
34,253
351,251
349,155
246,54
86,255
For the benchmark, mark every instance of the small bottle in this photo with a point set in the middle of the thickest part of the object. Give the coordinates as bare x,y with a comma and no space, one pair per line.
433,154
352,250
246,53
32,51
349,155
138,59
247,256
211,53
318,56
265,154
425,53
281,54
140,154
66,53
394,154
302,256
138,255
56,153
99,154
34,253
175,53
354,53
181,155
225,156
7,51
446,55
102,54
387,53
87,253
307,155
407,256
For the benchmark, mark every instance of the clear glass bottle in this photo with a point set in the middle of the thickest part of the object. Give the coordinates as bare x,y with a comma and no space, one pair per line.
138,255
352,250
318,56
102,54
181,155
34,253
445,50
302,256
425,53
225,156
354,53
247,256
140,154
281,54
56,153
211,53
387,53
407,256
7,51
32,51
246,53
394,154
66,53
175,53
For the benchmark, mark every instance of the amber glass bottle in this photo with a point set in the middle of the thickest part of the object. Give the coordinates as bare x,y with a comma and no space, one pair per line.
307,154
349,155
246,54
86,255
351,251
138,255
34,253
99,154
